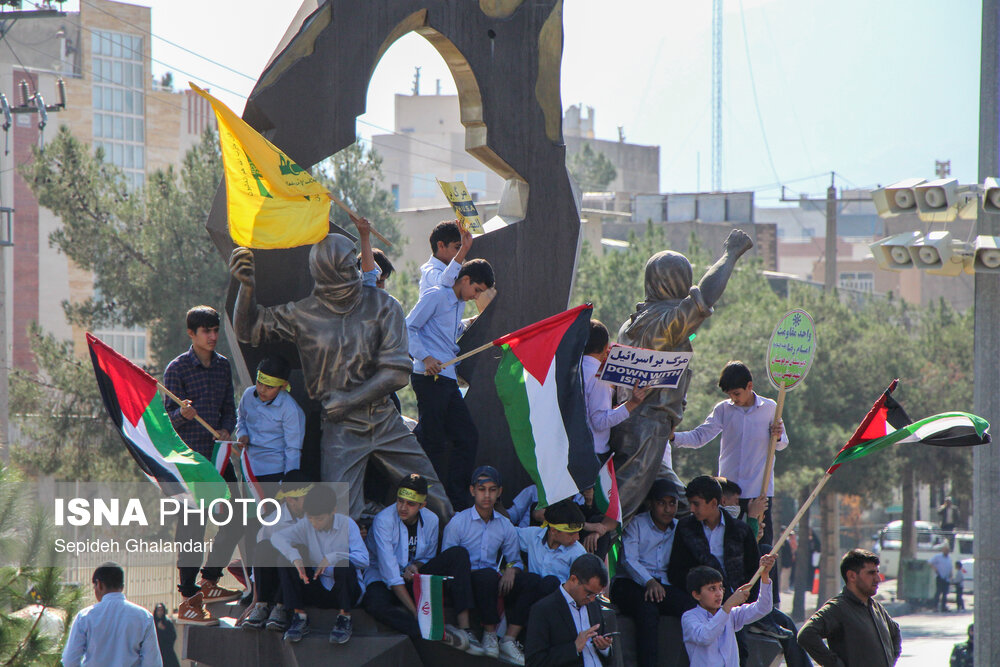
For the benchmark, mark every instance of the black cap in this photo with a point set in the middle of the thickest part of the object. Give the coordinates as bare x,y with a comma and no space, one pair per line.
486,472
662,488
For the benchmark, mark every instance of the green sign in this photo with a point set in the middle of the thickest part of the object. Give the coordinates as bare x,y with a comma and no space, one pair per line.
790,352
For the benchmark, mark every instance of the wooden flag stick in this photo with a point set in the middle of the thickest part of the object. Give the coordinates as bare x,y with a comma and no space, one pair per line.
795,520
773,442
354,216
481,348
173,397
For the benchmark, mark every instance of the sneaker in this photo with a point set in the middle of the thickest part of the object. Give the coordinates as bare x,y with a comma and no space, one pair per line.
769,629
212,592
192,611
474,647
455,638
491,645
341,631
257,617
298,629
511,651
278,620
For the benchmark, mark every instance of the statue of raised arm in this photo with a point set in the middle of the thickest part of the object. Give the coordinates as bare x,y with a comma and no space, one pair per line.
665,320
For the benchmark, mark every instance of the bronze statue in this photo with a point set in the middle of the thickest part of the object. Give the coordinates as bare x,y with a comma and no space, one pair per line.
353,347
672,311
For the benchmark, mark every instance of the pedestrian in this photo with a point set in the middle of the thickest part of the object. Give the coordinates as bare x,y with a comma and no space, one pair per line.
947,515
962,653
710,629
203,379
445,429
565,627
450,243
958,581
166,635
858,630
941,562
114,631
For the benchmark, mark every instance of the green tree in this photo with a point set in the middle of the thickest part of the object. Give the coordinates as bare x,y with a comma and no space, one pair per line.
354,174
148,249
591,169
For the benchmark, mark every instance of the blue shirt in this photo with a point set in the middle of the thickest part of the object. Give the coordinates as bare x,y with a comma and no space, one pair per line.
275,430
710,640
544,561
341,543
434,326
388,545
647,549
210,390
434,272
520,510
485,541
369,278
112,632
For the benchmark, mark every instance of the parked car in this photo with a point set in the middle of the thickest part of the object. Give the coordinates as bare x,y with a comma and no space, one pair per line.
889,540
968,581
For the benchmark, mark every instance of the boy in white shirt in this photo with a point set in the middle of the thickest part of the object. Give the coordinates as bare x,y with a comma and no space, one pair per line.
327,540
710,628
449,246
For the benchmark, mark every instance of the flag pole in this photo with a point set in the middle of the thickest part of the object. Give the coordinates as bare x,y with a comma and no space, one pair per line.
773,443
795,520
481,348
354,216
175,399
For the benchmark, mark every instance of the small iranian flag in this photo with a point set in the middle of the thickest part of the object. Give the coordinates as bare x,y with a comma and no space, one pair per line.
606,492
253,486
539,383
129,395
221,452
888,424
427,593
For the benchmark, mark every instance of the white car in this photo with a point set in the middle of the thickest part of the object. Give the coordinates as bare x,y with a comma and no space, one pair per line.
968,581
889,540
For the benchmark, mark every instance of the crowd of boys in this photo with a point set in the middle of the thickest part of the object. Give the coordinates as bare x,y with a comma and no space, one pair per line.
695,567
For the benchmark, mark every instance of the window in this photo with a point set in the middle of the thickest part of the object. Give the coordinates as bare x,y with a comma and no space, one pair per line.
862,281
130,342
118,101
424,186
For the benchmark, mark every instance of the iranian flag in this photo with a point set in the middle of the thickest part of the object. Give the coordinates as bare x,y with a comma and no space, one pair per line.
130,398
250,477
427,593
221,452
539,383
888,424
606,492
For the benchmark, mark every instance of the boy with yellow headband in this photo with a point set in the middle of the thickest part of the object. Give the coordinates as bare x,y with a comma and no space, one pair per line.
403,543
270,423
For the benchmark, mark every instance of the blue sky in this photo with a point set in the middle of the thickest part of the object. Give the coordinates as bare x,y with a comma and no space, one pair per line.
876,91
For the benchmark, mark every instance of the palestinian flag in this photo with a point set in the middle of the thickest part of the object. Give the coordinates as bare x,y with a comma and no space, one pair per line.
221,452
539,383
888,424
130,398
606,492
427,593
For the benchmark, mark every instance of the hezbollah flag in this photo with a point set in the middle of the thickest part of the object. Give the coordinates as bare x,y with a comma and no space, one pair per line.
428,595
130,398
888,424
272,202
539,383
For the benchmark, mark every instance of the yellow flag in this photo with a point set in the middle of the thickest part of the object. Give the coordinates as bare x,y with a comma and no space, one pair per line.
272,202
462,204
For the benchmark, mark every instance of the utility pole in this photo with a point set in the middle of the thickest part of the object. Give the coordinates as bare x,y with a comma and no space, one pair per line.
830,275
986,382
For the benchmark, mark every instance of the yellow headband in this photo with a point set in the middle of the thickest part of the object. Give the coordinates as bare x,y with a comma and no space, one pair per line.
295,493
272,381
410,494
564,527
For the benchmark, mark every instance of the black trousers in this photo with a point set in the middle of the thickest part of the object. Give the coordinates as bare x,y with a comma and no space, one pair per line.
224,543
298,595
517,602
445,418
383,605
265,575
941,593
959,592
630,598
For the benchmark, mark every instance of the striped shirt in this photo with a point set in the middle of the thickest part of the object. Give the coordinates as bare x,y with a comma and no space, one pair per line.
210,390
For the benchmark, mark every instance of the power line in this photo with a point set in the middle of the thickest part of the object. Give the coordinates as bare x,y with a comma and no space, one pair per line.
753,89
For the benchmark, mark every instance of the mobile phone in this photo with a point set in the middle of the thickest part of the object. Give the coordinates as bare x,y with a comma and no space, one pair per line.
610,634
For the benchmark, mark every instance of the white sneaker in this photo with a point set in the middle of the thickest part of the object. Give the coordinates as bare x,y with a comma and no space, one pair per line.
491,645
475,646
511,651
455,638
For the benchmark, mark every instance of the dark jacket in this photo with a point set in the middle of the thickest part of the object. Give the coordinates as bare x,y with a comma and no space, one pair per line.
739,550
552,632
858,635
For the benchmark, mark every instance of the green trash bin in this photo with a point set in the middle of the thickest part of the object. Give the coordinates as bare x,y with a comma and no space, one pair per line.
917,581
